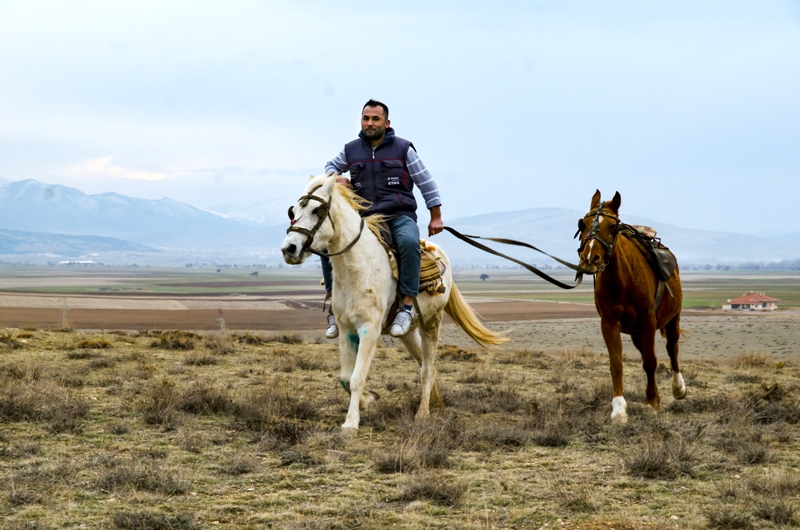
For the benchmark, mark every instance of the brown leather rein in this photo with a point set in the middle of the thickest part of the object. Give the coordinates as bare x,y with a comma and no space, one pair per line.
323,212
470,240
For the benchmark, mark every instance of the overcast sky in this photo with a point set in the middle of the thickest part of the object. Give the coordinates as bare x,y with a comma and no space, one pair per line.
690,109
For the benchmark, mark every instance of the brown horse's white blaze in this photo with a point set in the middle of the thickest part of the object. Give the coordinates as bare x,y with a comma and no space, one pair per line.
624,294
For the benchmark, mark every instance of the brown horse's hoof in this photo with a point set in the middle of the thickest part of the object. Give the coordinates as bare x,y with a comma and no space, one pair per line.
650,409
678,386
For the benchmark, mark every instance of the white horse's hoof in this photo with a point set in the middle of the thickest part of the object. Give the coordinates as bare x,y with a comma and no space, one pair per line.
678,386
349,432
422,415
367,399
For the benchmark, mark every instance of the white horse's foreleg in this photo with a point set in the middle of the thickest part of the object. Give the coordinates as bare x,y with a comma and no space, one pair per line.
367,341
347,354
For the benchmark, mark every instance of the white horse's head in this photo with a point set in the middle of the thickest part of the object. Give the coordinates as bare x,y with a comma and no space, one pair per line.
311,226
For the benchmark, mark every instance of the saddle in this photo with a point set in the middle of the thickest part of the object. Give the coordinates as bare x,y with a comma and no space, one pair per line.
431,266
660,257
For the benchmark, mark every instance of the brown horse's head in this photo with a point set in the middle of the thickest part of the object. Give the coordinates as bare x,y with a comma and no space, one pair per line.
598,230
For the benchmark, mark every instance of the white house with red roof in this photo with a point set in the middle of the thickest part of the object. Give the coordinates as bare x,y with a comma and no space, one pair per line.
751,302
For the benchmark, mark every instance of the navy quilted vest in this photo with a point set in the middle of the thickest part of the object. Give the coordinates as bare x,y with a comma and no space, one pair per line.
381,176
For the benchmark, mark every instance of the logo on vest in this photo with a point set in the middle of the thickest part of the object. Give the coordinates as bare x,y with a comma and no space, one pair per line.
393,181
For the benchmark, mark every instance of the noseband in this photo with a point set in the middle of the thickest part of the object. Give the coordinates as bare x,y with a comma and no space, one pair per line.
323,212
593,235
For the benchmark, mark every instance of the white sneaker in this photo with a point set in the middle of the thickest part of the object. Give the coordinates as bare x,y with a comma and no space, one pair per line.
402,323
333,330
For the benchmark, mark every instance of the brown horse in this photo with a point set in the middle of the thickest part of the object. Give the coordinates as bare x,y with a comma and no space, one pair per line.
625,289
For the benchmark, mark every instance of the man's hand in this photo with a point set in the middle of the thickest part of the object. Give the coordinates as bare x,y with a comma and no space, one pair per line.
436,225
341,180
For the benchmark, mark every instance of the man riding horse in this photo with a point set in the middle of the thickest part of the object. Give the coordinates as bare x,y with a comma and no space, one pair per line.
383,170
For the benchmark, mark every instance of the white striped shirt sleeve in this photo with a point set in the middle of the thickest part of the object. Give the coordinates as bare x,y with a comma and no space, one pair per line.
423,179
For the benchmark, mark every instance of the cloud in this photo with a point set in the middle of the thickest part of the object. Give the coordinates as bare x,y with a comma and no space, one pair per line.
102,167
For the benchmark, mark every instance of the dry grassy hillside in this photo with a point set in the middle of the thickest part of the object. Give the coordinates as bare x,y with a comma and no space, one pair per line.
176,430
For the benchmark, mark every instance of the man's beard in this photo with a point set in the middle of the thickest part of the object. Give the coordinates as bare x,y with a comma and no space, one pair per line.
374,134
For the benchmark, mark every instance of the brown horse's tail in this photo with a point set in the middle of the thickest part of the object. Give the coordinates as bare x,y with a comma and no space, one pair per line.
683,332
462,314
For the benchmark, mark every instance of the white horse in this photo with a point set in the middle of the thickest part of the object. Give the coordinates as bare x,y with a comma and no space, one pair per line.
327,217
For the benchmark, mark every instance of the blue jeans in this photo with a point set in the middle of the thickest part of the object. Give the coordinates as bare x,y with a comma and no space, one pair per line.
406,238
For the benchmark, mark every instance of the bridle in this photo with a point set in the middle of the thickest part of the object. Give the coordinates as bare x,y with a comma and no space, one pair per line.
593,235
323,212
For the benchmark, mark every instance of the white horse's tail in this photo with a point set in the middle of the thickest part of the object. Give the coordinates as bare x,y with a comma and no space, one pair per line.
465,318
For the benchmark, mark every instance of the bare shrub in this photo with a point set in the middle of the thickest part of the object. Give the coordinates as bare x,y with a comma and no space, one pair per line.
435,489
199,359
724,517
119,429
280,434
205,397
137,475
526,357
78,355
161,403
61,409
152,521
251,338
94,344
423,444
100,362
240,465
22,497
286,338
176,340
493,435
25,335
11,340
260,408
219,344
776,485
752,360
306,362
451,352
578,497
299,455
744,378
781,511
703,403
491,398
660,458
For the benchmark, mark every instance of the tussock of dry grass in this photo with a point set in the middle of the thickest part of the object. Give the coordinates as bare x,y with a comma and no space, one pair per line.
449,352
146,520
94,344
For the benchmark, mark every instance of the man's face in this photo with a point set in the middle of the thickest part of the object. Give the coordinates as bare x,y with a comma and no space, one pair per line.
373,123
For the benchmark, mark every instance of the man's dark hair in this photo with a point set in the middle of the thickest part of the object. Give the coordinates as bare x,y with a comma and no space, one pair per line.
375,103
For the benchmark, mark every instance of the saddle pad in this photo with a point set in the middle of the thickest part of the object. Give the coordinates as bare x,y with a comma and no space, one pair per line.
646,230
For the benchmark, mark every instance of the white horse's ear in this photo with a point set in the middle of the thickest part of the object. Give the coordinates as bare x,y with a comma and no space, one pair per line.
310,178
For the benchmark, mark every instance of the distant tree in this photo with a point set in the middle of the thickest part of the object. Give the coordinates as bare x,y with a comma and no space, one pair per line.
254,273
484,277
219,270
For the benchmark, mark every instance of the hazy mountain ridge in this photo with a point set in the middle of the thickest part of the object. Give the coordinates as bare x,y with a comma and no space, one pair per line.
20,242
552,230
33,206
37,208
